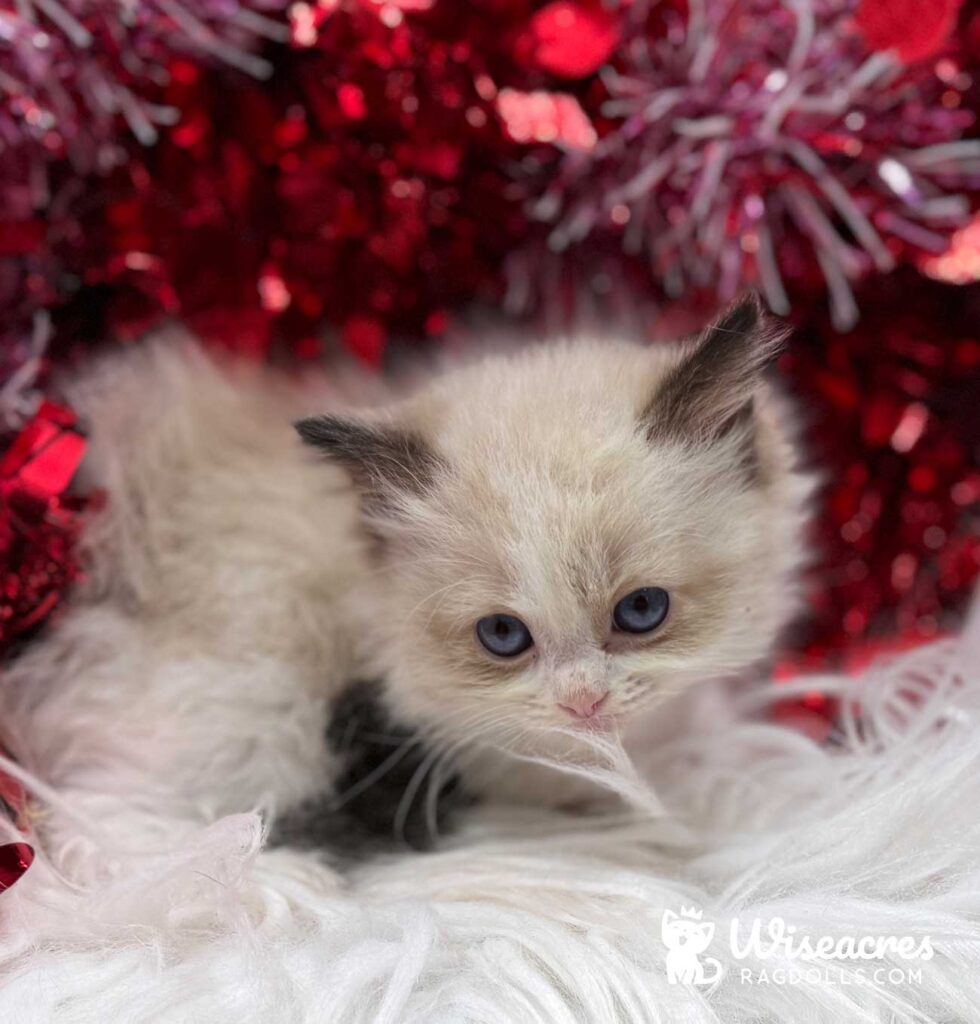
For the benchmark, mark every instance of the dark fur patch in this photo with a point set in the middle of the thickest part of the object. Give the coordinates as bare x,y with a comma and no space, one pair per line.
708,394
379,458
368,810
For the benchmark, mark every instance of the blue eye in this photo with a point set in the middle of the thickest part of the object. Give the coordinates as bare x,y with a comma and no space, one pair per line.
642,611
504,635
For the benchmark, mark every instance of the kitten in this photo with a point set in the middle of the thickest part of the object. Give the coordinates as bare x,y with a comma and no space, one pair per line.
526,550
569,535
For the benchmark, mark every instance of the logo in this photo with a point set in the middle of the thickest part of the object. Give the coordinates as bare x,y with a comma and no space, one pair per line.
686,937
773,952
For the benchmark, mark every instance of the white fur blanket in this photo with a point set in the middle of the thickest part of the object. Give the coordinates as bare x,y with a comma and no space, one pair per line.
874,837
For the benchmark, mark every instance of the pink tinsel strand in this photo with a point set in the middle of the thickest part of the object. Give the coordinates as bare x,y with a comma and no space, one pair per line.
75,72
744,139
77,80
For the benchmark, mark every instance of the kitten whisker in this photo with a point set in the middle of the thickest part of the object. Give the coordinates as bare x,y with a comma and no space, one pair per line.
466,729
447,764
411,790
437,593
365,782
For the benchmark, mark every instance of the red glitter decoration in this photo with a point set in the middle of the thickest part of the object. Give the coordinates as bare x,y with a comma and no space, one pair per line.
366,190
15,859
915,29
572,40
729,156
894,427
545,117
960,263
75,74
40,520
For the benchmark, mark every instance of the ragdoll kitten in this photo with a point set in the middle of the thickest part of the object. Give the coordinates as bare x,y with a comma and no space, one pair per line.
534,547
568,535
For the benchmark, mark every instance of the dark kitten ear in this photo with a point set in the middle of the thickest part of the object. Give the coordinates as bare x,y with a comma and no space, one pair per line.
710,391
381,459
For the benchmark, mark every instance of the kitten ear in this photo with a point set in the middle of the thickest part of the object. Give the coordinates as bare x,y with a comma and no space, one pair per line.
381,459
710,391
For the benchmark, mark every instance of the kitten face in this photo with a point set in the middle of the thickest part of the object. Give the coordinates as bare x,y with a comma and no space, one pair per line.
546,488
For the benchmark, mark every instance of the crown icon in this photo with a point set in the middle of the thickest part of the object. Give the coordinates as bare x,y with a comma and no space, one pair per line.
691,912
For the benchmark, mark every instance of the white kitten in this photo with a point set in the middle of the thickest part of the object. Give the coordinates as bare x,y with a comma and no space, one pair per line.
538,543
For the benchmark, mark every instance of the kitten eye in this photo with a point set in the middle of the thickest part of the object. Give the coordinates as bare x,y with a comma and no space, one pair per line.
504,635
642,611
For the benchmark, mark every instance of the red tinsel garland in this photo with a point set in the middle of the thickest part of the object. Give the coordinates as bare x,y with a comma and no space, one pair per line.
892,424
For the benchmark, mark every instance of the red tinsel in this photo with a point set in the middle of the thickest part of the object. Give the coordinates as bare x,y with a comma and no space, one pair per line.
893,426
730,156
365,189
39,523
915,29
571,39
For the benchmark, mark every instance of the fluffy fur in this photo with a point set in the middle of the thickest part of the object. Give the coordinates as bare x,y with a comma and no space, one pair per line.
542,918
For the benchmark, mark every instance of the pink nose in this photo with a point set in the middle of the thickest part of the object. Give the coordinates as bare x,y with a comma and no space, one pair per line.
584,705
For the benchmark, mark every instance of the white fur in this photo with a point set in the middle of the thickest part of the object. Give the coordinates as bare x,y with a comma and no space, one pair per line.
191,675
544,918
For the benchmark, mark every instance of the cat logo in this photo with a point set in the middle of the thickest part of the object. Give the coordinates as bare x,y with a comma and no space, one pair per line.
686,938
